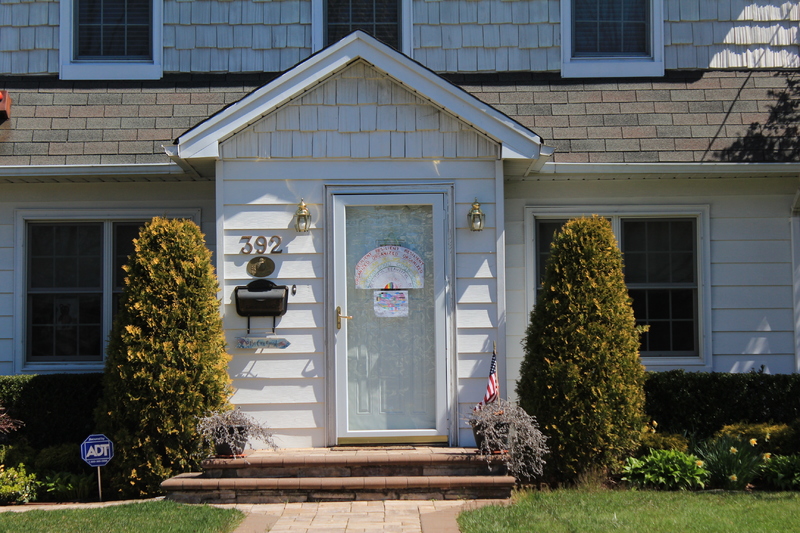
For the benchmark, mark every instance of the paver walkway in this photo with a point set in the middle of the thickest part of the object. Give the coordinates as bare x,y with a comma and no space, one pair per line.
390,516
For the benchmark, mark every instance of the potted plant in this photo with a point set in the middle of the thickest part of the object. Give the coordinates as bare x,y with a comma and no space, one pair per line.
231,430
503,426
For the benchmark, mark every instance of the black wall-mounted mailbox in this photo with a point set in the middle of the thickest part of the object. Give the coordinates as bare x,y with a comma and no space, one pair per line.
261,298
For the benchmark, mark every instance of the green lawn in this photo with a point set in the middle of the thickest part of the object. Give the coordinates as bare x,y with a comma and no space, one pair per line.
145,517
577,511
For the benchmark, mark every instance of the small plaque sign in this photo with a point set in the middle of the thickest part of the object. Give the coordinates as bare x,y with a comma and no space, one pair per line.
261,342
260,267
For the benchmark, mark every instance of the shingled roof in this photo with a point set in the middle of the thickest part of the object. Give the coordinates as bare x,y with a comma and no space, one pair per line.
694,116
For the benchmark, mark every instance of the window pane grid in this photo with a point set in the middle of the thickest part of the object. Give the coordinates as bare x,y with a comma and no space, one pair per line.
380,19
610,28
66,282
113,28
660,257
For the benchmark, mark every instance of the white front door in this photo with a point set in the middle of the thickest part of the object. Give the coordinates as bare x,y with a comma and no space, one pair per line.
389,318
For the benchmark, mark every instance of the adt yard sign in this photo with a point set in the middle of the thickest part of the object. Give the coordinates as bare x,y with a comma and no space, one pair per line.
97,450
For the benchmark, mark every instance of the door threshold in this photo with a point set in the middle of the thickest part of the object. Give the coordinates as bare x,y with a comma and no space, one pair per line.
429,440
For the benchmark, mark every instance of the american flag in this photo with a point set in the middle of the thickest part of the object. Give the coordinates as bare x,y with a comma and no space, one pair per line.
492,387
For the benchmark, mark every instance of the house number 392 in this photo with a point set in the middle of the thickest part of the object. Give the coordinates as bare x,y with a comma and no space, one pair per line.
260,244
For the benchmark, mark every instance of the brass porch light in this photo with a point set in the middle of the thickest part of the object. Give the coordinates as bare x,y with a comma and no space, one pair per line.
476,217
302,218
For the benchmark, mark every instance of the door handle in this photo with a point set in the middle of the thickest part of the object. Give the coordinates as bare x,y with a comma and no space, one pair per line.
340,316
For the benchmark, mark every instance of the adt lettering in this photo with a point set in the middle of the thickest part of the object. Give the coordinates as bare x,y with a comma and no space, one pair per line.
98,450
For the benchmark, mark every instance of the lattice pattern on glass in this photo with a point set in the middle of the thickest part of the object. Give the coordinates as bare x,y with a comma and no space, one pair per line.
379,18
113,29
610,28
65,277
660,270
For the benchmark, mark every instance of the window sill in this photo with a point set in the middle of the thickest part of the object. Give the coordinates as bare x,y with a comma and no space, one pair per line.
113,70
612,68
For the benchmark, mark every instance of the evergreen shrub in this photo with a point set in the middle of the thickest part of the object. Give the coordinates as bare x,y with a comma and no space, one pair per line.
781,439
166,364
701,403
581,376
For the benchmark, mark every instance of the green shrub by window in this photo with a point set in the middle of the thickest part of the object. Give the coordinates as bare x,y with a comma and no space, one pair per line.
666,470
166,363
581,376
40,401
701,403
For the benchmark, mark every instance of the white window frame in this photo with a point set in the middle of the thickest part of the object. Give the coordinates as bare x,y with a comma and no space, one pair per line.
71,68
613,67
318,26
701,214
108,217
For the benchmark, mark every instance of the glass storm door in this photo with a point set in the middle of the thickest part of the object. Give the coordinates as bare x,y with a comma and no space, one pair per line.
389,318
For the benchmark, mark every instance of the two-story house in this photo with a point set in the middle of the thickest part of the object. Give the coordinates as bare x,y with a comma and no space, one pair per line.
676,119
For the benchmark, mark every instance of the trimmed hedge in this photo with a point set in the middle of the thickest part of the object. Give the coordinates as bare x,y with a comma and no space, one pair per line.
56,408
701,403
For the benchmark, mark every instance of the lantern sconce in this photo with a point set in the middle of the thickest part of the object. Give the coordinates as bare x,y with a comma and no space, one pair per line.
302,218
476,217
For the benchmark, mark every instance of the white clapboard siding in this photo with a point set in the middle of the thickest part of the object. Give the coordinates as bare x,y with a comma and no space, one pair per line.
300,438
278,391
282,417
751,274
478,291
734,229
6,323
475,341
742,206
474,365
773,364
760,342
6,303
6,258
248,189
753,320
277,365
476,316
475,266
751,297
776,251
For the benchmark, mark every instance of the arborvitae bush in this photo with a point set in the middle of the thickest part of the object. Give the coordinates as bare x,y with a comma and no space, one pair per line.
581,376
166,363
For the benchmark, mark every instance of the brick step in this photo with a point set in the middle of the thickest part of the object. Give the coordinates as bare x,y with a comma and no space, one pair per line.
344,464
330,474
194,488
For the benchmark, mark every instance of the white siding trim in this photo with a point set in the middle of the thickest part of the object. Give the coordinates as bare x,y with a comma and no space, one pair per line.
703,217
796,286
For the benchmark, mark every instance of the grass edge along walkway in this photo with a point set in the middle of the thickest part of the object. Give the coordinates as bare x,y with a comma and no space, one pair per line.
139,517
599,511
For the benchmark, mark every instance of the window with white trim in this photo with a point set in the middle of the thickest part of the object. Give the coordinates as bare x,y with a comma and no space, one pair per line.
111,39
69,300
662,267
379,18
612,38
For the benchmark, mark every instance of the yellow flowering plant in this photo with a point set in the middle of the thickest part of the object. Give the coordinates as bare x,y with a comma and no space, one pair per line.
732,463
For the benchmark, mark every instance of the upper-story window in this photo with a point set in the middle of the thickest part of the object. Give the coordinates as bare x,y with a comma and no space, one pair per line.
611,38
114,29
387,20
379,18
111,39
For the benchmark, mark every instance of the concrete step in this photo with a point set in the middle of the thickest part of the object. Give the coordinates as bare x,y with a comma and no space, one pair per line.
332,474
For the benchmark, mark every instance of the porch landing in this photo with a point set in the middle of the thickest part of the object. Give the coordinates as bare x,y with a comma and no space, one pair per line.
345,474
